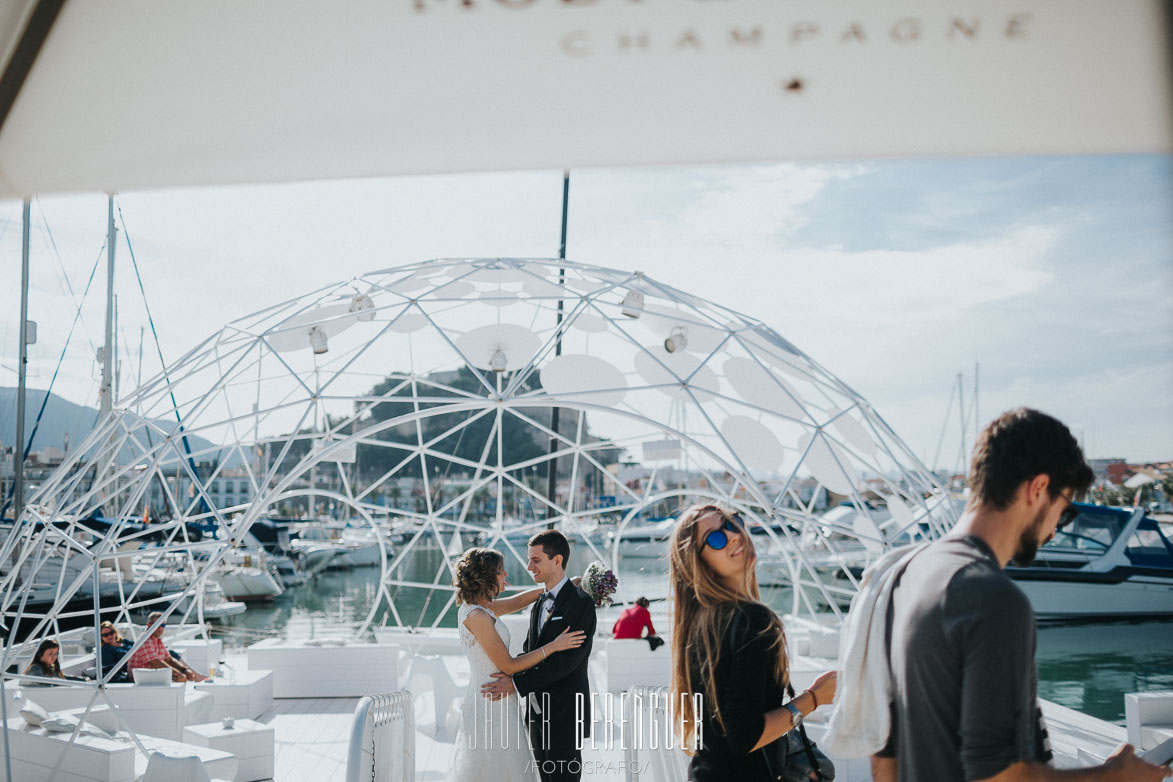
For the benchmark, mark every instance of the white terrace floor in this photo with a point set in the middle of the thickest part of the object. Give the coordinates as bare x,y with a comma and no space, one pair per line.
313,736
312,739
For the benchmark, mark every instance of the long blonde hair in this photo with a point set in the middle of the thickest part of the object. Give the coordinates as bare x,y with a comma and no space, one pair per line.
704,608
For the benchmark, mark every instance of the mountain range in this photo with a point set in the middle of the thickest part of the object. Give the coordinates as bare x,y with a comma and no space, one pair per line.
62,419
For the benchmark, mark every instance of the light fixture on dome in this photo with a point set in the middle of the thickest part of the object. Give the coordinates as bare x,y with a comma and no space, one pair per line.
633,300
497,361
318,340
677,340
633,304
362,307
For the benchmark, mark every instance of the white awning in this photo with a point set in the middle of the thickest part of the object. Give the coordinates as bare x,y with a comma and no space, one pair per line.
129,94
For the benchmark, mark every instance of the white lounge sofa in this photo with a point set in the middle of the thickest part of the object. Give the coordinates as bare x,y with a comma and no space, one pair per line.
161,711
36,751
326,670
629,662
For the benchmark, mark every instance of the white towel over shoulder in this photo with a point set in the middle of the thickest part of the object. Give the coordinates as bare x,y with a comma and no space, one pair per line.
859,725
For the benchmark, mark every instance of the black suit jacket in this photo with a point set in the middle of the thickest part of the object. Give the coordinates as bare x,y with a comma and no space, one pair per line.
564,674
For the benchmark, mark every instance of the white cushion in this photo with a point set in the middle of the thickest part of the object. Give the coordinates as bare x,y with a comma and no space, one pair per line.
104,719
60,723
165,767
152,676
33,714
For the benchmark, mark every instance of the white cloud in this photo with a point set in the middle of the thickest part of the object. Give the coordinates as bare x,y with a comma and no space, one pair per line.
894,323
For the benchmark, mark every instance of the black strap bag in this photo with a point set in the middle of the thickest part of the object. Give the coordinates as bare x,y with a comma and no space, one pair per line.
793,757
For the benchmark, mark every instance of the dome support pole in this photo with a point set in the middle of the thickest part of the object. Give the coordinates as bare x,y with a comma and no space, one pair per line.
552,463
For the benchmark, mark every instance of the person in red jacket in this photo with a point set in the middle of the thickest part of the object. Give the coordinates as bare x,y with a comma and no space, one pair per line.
632,621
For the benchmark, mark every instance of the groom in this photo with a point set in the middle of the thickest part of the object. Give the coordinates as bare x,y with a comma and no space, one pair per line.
553,724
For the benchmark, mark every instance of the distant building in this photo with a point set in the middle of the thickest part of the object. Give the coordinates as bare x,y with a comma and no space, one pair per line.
1112,470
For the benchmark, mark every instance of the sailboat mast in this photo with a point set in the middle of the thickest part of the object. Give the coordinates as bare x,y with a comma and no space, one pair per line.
977,421
21,368
106,392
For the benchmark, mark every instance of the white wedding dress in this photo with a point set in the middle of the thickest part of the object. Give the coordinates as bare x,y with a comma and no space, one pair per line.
493,744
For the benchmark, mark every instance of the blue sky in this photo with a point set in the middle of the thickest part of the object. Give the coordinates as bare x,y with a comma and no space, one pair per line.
1056,274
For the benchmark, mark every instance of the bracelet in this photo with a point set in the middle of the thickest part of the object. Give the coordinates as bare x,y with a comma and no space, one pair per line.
814,699
544,655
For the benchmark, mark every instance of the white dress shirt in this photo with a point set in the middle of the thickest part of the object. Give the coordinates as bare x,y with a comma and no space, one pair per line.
547,609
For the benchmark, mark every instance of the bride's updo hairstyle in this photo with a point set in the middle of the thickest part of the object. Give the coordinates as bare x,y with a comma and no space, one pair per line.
476,574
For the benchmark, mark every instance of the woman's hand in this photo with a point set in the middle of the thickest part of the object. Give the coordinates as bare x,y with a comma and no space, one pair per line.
824,688
567,639
577,581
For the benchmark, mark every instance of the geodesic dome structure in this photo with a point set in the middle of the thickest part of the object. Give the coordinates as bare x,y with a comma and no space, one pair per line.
420,402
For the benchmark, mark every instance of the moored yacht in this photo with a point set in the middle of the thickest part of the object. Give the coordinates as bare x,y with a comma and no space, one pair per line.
1108,563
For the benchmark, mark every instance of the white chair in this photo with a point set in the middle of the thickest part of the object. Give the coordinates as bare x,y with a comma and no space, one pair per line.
166,767
382,739
647,709
1149,718
428,673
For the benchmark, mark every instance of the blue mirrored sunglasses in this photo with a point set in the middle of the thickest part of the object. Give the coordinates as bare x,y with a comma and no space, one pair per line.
718,539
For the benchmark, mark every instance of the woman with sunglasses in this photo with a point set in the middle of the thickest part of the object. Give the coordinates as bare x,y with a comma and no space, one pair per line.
114,647
731,649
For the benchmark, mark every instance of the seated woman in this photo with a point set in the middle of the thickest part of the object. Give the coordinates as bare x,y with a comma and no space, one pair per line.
45,663
113,648
632,621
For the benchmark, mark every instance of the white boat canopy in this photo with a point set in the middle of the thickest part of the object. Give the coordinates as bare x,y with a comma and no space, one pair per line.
130,94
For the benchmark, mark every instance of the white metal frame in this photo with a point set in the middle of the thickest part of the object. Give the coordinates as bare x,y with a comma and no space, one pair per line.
254,397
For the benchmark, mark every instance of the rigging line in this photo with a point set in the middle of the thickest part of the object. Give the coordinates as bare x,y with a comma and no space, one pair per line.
61,264
56,370
162,362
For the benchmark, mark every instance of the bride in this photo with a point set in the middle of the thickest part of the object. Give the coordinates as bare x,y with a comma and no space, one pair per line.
493,743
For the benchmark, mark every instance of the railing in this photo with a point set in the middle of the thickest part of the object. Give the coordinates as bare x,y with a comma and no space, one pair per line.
649,755
382,740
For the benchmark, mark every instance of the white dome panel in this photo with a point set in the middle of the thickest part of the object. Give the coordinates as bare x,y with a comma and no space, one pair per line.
498,298
670,371
755,445
901,513
543,289
758,387
453,290
409,323
592,324
412,284
852,432
498,276
293,333
518,343
588,378
828,463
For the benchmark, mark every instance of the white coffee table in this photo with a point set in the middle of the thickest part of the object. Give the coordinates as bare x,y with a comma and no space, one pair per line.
251,742
241,694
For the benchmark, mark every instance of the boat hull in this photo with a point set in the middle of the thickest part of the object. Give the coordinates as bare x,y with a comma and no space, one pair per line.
1067,596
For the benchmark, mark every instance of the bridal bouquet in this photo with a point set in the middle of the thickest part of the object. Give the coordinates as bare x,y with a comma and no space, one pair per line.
600,583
